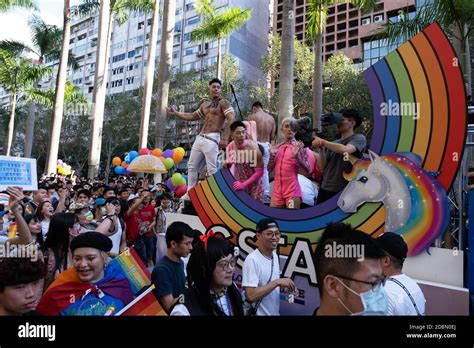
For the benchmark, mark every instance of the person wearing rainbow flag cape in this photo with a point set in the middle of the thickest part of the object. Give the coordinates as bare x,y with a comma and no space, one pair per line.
90,287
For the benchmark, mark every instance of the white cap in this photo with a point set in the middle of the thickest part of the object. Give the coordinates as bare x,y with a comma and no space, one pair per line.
132,196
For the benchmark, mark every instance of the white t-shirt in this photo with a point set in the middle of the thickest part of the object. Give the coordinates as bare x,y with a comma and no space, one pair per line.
3,239
255,273
116,238
309,190
399,302
45,227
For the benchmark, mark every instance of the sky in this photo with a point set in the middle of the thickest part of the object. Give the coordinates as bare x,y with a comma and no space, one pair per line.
14,24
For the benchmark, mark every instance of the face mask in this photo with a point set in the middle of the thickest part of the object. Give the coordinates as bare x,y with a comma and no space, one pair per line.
103,211
159,193
89,216
375,302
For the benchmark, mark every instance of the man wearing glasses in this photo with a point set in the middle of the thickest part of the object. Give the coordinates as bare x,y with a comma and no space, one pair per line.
349,283
261,271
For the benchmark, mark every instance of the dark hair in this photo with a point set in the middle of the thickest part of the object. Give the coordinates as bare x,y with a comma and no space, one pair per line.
20,270
257,104
108,188
39,212
57,238
354,114
215,80
176,231
40,238
342,234
236,124
201,267
84,192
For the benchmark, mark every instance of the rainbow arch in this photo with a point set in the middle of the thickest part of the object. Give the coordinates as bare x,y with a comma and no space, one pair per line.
423,70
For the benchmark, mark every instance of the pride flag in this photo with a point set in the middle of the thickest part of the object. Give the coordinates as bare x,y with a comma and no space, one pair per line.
146,304
134,269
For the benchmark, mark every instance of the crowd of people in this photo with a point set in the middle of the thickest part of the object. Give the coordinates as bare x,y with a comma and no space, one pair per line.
71,227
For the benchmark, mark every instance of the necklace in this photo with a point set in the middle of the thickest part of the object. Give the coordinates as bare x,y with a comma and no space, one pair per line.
214,103
265,256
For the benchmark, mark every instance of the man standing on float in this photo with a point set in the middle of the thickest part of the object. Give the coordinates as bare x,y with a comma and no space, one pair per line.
206,147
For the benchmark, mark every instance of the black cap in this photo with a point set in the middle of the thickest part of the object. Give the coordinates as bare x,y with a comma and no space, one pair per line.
393,244
92,240
265,223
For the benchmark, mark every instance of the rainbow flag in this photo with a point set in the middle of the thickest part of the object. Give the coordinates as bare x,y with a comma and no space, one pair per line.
145,305
134,269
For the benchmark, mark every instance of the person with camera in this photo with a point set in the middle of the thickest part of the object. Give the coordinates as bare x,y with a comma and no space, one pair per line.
334,156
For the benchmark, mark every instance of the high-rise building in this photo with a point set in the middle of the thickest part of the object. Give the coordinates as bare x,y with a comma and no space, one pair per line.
129,46
348,30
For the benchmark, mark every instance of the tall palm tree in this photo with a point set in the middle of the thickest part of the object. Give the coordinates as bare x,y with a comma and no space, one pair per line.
57,116
17,76
285,106
317,13
6,5
109,11
216,25
456,19
150,74
166,52
46,40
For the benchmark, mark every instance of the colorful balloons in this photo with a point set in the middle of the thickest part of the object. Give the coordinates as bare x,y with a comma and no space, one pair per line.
144,152
176,179
157,152
168,154
170,185
180,150
183,181
127,159
132,155
124,164
116,161
119,170
169,163
178,156
181,190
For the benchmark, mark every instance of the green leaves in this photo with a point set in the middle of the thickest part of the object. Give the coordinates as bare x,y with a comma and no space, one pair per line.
6,5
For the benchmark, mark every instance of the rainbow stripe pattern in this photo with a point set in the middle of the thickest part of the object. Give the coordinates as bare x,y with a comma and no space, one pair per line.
423,71
134,268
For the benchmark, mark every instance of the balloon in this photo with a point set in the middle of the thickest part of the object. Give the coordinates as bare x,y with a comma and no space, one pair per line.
180,150
132,155
162,159
124,164
127,159
176,179
168,154
185,177
177,157
129,173
170,185
181,190
169,163
183,181
144,151
119,170
59,162
157,152
116,161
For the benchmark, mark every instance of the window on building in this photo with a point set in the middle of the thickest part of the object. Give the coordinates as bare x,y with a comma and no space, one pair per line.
365,21
118,58
175,55
178,27
131,54
190,6
192,20
179,11
81,37
141,25
130,80
187,37
188,51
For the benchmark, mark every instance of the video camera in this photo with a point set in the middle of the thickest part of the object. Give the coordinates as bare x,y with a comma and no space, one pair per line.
303,127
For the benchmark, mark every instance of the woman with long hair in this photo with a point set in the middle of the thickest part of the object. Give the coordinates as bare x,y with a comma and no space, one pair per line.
34,225
63,228
44,213
211,268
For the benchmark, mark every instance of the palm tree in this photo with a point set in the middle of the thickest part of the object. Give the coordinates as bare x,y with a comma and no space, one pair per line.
166,51
46,42
109,11
17,76
218,25
285,106
456,19
57,116
150,74
317,13
6,5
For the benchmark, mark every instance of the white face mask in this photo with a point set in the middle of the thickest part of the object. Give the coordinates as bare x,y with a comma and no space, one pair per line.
374,301
103,211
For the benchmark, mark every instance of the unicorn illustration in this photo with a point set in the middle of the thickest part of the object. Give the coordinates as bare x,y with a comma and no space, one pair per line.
416,204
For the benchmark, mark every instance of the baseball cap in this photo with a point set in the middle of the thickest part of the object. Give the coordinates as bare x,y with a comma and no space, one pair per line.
265,223
393,244
99,201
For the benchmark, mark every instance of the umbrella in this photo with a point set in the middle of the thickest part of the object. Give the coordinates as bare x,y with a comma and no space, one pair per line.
147,164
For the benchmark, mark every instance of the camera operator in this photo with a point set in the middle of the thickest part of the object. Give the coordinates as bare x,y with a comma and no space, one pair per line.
334,156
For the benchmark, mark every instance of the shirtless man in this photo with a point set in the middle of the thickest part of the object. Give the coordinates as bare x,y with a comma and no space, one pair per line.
265,134
206,146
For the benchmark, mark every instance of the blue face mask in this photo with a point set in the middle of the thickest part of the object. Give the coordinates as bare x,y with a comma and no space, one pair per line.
159,193
375,302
